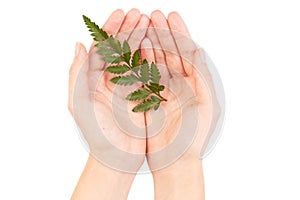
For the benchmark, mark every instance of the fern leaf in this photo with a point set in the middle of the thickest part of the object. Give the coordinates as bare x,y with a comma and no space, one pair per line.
145,75
153,102
98,33
140,94
118,69
124,80
155,75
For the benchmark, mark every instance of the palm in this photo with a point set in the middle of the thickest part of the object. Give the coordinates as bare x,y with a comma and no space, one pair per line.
186,99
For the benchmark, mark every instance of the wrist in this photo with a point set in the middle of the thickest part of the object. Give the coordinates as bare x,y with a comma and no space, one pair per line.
112,176
184,166
181,180
101,182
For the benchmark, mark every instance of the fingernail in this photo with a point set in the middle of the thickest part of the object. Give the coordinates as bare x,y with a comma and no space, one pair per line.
77,49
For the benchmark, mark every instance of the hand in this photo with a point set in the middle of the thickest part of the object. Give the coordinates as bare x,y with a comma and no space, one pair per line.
92,102
178,132
190,96
96,106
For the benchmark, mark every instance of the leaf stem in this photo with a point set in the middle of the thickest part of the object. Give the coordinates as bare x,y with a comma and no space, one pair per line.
161,98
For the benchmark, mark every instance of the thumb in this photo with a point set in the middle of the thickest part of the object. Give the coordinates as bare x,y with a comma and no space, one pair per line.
77,71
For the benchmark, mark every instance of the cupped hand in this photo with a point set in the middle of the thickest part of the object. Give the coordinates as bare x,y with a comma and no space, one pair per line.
181,127
96,106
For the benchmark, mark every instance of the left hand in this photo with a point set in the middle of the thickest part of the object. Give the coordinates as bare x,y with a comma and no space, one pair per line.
99,110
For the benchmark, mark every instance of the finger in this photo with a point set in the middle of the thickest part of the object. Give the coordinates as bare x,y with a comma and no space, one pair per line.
114,22
111,26
182,37
130,21
167,42
139,32
78,68
176,23
160,58
192,56
203,77
159,54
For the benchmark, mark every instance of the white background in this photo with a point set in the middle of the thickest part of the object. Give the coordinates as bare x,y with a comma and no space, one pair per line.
254,44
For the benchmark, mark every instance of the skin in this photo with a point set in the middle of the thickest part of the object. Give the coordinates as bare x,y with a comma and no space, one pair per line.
188,77
97,180
181,179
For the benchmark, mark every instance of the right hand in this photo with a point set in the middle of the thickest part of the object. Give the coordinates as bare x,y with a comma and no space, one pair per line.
181,127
